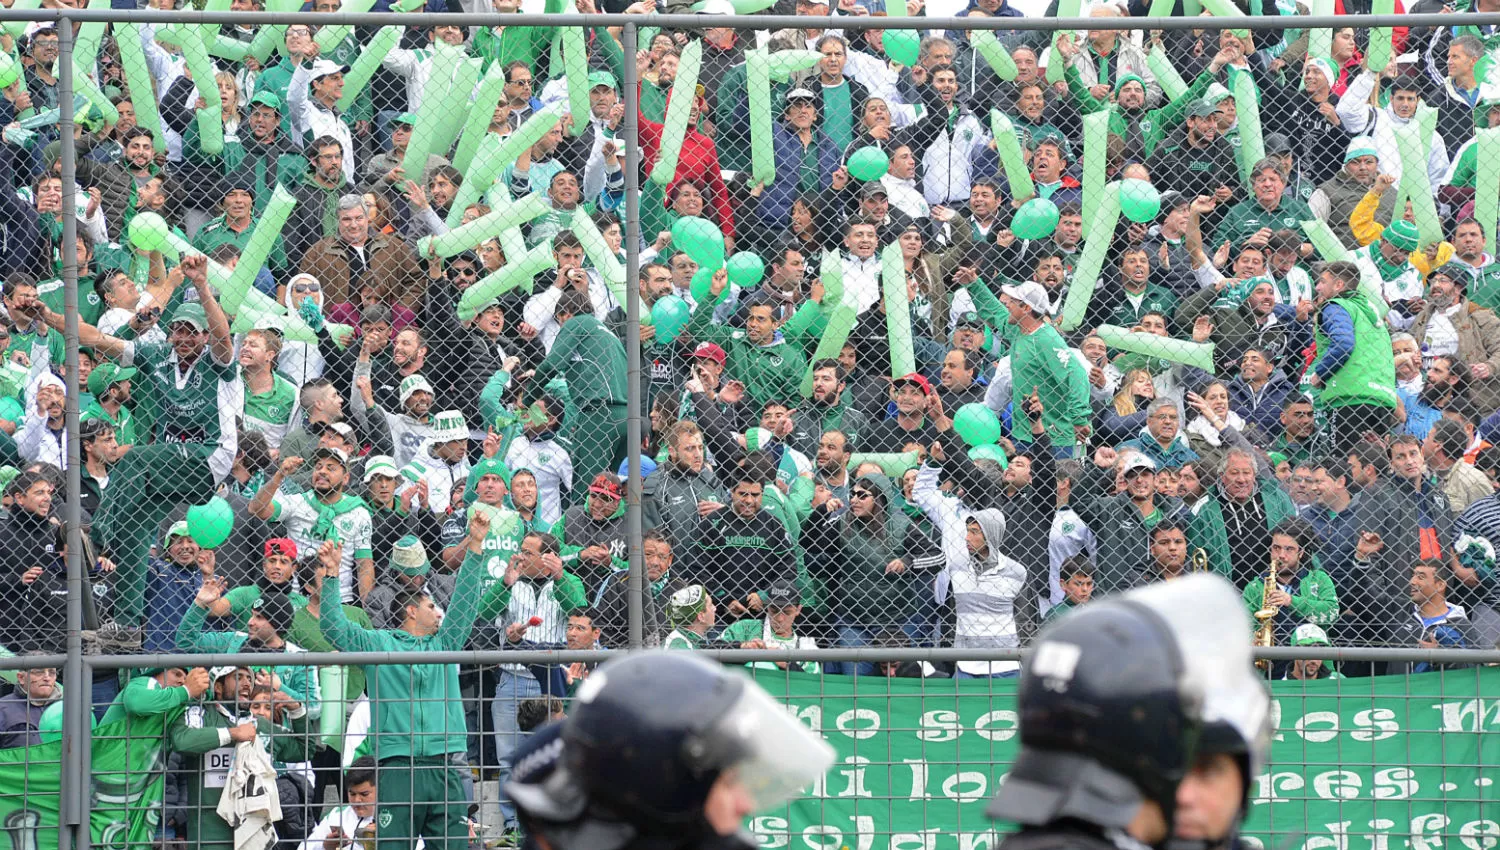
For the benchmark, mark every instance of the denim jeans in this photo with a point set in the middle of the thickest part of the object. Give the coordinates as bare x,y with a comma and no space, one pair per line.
510,688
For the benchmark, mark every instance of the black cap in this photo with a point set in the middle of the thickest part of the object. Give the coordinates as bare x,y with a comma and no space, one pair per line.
277,608
970,319
1276,144
782,592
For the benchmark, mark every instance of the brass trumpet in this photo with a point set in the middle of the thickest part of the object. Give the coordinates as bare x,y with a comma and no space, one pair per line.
1200,560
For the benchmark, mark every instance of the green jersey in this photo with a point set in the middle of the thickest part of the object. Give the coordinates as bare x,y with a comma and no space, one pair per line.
273,412
591,358
1041,362
218,232
124,423
90,306
194,405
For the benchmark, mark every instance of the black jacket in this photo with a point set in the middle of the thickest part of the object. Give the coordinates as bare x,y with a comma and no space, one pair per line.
32,616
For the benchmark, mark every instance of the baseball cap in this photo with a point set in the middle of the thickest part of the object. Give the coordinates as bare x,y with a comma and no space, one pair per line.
782,592
1217,92
1202,108
414,383
336,454
685,605
602,78
449,426
409,557
1310,634
407,118
281,546
970,319
710,351
190,312
1030,293
1276,143
873,188
266,99
608,485
1137,461
178,529
381,465
106,375
343,429
323,67
913,378
800,94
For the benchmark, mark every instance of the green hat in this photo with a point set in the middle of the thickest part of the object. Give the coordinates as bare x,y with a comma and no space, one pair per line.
1403,234
1277,459
601,78
106,375
490,466
408,118
1128,78
192,313
7,475
266,98
380,465
178,529
685,605
1310,634
409,558
1202,108
1360,146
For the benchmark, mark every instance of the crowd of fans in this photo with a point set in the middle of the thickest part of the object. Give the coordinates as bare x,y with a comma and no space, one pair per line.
406,476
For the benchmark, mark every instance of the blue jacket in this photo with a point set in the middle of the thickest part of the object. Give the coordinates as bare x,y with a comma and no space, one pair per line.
170,591
776,202
1173,456
1263,409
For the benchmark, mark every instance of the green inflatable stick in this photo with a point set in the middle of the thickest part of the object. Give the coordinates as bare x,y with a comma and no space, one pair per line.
211,117
1000,61
831,343
1171,82
1487,183
138,80
228,48
897,311
502,217
1055,61
604,260
1225,9
18,28
481,113
1247,107
331,37
1101,232
258,305
758,90
451,82
785,63
575,57
674,128
831,273
894,464
366,64
1414,143
1379,54
750,7
1197,354
516,272
1160,9
272,38
1319,41
1324,241
1008,145
1095,160
90,36
493,156
268,227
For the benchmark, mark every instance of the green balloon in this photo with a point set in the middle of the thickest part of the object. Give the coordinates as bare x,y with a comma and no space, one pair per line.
746,269
700,239
1036,219
210,524
989,452
977,424
702,286
904,46
1139,201
670,315
50,726
10,70
869,164
148,232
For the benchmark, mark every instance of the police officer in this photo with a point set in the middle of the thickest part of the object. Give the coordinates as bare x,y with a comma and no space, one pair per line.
664,751
1114,701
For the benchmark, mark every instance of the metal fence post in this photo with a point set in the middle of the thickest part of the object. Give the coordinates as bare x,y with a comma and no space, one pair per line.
634,396
73,826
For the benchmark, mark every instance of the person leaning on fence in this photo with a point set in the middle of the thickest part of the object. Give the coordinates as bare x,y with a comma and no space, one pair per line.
419,733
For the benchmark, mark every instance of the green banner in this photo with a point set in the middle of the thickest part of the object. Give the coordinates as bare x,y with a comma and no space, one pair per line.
125,789
1385,763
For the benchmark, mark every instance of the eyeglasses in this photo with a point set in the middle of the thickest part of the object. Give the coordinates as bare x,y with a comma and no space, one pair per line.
528,82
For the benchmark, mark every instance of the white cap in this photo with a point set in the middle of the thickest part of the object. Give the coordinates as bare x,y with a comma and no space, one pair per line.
1031,293
448,426
380,465
1134,461
323,67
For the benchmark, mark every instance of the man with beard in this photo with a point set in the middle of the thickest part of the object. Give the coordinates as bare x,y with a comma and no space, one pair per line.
206,736
1299,430
831,477
270,619
1447,382
677,493
827,409
1200,160
322,514
408,356
318,191
42,436
742,550
1304,593
1135,296
401,434
1451,323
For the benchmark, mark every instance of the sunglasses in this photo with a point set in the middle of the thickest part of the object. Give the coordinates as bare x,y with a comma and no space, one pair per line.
861,494
457,273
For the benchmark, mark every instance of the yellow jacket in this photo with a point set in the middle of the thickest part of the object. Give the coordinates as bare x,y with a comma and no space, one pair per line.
1366,229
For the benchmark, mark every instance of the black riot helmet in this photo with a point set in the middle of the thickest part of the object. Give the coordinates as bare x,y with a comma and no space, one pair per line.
1112,703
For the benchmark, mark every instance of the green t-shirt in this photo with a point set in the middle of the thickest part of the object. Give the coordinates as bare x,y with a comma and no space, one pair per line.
194,406
124,425
271,413
90,306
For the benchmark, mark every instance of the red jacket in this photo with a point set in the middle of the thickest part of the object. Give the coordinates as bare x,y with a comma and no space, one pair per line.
698,162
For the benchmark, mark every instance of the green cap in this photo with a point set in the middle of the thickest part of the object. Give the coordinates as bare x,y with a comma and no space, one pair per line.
490,466
408,118
1202,108
1403,234
106,375
178,529
266,98
192,313
409,558
601,78
685,605
1310,634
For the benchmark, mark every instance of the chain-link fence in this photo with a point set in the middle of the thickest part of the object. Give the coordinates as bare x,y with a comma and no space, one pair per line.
881,332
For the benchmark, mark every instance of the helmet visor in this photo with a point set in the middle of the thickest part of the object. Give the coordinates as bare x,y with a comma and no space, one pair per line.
765,748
